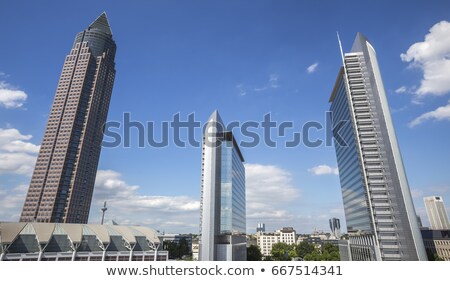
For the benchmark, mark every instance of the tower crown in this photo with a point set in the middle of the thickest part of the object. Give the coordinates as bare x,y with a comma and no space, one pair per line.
101,23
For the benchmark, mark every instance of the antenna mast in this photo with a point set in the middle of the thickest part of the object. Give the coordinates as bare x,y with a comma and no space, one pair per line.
104,209
340,48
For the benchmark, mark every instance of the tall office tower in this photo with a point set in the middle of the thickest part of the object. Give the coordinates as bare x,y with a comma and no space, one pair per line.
419,222
222,209
436,213
335,226
380,215
261,227
63,179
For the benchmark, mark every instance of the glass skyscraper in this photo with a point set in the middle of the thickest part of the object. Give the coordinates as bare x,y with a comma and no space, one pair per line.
380,215
335,227
222,210
64,175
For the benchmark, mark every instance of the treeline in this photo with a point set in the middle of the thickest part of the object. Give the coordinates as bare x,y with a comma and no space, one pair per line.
303,251
177,251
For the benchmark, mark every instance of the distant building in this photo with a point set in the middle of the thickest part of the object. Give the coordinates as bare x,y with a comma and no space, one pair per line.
222,209
287,235
331,241
251,240
195,249
335,226
78,242
437,242
318,238
301,238
437,215
419,222
176,238
379,211
314,239
266,240
261,227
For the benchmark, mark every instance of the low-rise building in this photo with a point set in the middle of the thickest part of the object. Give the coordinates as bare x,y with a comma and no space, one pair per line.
266,240
176,238
195,248
251,240
32,241
437,242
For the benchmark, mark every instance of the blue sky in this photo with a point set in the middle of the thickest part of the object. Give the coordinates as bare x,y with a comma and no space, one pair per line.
246,59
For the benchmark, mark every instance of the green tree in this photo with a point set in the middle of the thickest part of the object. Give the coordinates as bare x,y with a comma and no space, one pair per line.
253,253
433,256
183,248
177,250
303,249
172,248
329,252
316,255
283,252
268,258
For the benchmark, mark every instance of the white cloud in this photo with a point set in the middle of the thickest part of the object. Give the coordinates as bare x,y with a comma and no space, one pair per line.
127,205
432,56
440,113
268,183
17,155
260,89
11,202
401,90
10,97
312,68
323,170
269,216
17,163
12,140
269,192
241,89
416,193
273,80
272,83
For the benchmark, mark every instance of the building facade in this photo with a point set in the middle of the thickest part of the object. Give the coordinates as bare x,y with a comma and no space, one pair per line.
380,215
437,215
267,240
64,175
195,249
335,226
437,242
222,209
78,242
176,238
